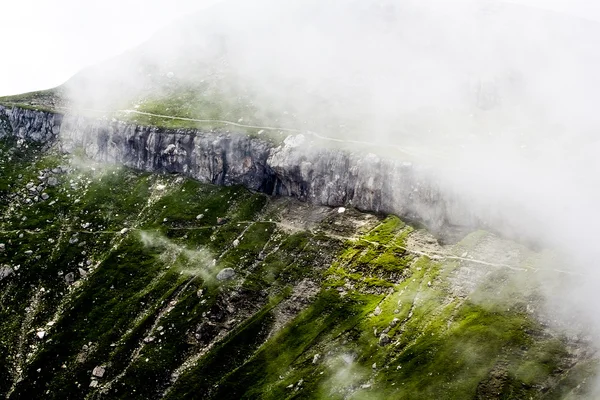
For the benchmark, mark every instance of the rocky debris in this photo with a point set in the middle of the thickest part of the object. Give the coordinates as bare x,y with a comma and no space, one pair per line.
226,274
316,358
2,247
40,334
384,339
94,383
5,272
377,311
70,278
99,371
394,322
52,181
45,196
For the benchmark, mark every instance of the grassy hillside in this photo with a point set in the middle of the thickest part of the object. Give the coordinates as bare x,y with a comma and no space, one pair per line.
121,284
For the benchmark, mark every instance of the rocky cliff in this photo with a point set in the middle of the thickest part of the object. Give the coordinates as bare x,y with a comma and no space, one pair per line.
121,284
323,176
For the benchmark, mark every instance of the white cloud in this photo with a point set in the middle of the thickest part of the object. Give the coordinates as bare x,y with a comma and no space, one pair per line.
46,42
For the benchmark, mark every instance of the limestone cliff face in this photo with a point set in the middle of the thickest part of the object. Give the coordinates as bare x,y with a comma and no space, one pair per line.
323,176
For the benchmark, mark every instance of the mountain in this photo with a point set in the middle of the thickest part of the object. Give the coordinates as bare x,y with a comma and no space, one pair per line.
225,213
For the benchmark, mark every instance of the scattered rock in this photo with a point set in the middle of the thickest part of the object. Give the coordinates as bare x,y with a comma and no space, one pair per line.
2,247
374,366
82,272
384,339
377,311
52,181
199,216
394,322
5,272
226,274
99,371
94,383
341,210
316,358
70,278
41,334
28,252
124,231
45,196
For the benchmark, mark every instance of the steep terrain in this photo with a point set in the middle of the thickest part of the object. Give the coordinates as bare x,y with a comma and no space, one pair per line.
121,282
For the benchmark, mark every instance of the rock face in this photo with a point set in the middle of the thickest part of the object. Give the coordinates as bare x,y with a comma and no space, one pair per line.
36,126
323,176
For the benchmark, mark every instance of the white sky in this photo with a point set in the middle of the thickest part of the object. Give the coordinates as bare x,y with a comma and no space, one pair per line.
46,42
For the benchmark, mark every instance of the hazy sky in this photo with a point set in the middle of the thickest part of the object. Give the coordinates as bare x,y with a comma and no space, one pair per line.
46,42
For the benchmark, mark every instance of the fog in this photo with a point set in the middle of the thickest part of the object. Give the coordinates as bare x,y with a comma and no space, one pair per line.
500,97
46,42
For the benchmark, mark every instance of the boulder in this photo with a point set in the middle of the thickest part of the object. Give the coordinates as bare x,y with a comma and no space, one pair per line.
226,274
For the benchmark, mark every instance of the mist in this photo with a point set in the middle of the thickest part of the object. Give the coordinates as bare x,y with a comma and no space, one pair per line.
498,97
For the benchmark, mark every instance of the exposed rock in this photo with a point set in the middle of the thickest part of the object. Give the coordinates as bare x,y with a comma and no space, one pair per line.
2,247
384,339
377,311
41,334
52,181
99,371
5,272
45,196
70,278
325,176
226,274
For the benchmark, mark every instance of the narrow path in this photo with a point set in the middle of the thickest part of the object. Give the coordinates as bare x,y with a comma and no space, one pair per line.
403,149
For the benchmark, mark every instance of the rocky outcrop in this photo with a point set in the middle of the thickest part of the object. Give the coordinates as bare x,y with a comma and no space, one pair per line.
324,176
31,125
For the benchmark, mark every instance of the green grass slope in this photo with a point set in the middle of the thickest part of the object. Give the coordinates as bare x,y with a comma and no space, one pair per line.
120,284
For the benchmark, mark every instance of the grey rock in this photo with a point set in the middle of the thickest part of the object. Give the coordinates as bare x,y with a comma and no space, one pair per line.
70,278
45,196
323,176
2,247
99,371
384,339
5,272
226,274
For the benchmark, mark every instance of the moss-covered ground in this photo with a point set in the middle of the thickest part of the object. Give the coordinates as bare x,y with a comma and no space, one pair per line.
107,267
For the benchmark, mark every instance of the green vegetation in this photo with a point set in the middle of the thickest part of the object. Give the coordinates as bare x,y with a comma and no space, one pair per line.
123,269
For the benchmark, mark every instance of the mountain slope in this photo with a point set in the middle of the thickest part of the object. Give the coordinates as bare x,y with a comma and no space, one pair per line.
122,284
